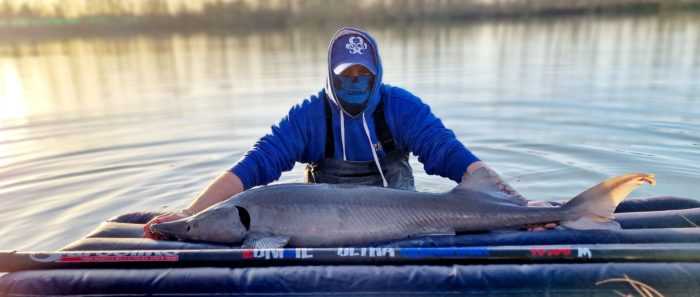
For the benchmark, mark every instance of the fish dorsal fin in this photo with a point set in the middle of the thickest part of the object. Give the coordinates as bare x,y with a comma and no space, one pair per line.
486,181
264,241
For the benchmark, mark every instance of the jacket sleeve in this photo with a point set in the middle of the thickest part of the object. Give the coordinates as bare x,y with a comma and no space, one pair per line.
278,150
420,131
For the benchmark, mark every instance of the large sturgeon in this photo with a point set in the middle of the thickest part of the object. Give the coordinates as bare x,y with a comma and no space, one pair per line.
318,215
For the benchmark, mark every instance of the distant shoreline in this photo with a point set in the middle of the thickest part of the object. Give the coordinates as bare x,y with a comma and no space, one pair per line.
235,17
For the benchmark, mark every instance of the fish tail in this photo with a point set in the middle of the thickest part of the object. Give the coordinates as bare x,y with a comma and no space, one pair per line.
594,208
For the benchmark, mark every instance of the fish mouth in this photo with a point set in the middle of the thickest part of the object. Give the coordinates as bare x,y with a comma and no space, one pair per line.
174,229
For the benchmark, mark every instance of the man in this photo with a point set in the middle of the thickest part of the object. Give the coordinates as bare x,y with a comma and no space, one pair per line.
357,130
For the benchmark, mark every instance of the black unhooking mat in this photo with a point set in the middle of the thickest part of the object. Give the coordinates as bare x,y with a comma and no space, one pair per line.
647,222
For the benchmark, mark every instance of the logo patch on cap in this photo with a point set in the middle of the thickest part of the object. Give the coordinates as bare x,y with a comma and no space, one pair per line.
356,45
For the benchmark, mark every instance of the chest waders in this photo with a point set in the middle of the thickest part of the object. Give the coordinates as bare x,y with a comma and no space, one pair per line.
394,164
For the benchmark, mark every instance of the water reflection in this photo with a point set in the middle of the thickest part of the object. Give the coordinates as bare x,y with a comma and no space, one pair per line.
14,104
95,127
98,76
95,77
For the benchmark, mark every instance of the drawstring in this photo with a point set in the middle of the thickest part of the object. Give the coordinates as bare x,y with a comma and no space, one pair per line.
371,146
342,132
374,153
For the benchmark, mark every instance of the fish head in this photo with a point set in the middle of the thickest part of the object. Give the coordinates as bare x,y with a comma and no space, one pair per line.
217,224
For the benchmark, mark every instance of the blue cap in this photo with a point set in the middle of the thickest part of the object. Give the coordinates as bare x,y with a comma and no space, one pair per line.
352,49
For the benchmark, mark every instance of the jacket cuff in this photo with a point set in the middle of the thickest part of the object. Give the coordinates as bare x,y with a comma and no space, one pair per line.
241,170
461,166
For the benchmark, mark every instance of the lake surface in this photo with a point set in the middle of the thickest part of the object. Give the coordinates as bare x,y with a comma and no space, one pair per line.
91,128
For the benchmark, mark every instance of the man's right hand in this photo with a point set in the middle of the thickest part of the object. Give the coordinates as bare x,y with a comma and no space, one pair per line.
166,217
224,187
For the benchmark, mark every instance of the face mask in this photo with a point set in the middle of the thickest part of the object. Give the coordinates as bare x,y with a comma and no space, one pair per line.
353,89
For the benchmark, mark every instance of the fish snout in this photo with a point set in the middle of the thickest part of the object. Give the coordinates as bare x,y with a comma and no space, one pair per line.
175,229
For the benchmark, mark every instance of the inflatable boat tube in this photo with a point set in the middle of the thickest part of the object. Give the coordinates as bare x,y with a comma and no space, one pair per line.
661,223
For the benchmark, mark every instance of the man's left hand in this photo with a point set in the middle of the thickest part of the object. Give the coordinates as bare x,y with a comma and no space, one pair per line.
540,227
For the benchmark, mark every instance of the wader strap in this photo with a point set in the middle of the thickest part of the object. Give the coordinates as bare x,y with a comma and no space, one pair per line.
380,128
330,143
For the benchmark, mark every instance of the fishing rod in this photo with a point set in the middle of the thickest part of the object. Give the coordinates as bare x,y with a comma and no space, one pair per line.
16,261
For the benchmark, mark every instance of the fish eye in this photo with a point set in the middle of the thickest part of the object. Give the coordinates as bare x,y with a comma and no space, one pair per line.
188,228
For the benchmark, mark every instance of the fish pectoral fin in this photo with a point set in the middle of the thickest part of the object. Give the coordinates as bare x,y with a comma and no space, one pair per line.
264,241
434,232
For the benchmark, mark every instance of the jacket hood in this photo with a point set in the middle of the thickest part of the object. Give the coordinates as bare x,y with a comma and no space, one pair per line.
344,39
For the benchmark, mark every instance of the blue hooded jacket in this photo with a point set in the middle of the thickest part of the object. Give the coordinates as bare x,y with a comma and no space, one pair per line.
301,135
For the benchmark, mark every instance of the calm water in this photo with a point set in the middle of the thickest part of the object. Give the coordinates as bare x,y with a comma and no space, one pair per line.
91,128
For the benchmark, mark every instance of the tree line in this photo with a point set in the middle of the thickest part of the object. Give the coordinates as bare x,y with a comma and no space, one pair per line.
231,14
